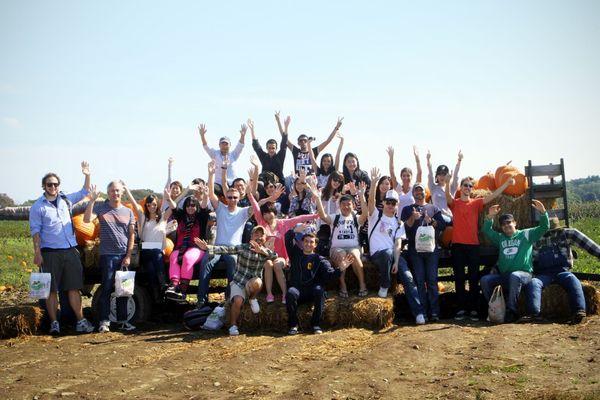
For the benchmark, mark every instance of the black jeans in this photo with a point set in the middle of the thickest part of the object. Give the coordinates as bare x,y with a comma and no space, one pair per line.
297,296
466,255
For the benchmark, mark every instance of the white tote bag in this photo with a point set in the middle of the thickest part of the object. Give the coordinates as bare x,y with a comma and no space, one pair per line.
497,306
124,283
39,285
215,320
425,239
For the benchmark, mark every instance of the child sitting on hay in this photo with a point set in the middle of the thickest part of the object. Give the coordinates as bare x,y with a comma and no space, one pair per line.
246,282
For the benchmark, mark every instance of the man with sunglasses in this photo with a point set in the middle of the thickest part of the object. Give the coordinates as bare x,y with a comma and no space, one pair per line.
224,153
54,246
514,256
231,221
272,160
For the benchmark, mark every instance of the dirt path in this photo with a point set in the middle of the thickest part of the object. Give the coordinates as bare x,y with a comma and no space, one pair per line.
442,360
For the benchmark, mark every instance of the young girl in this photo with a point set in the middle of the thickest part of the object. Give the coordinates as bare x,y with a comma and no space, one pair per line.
301,201
327,165
383,185
437,186
404,187
331,193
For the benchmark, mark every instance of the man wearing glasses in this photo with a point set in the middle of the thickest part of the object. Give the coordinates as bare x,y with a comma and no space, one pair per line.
231,220
54,246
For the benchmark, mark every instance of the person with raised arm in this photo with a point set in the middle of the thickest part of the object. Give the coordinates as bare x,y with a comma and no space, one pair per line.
55,246
275,228
301,199
385,241
345,227
272,160
246,283
117,233
152,231
301,152
404,186
437,185
231,220
223,154
465,241
514,256
328,165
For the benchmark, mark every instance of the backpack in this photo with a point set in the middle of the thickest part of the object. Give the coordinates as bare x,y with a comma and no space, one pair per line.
194,319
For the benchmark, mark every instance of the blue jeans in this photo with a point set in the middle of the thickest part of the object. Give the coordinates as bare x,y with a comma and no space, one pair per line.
297,296
152,260
384,260
109,264
425,267
569,283
512,283
206,267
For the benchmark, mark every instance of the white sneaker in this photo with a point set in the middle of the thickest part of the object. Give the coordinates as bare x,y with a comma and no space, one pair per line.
383,292
233,330
126,326
104,326
420,320
84,326
254,306
54,328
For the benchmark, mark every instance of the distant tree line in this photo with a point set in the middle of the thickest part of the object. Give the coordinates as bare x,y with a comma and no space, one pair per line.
584,190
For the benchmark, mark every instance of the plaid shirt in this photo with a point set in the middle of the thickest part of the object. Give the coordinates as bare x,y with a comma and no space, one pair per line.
563,239
249,265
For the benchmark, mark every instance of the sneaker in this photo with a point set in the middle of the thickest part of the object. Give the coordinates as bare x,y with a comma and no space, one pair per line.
270,298
84,326
173,293
382,292
460,315
473,316
126,326
317,330
282,299
434,318
54,328
104,327
254,306
578,317
420,320
293,330
233,331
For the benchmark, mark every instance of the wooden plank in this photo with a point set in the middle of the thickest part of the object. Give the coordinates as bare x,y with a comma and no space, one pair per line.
550,170
555,194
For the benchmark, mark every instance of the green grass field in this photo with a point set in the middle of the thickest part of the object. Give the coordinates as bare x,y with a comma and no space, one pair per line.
16,251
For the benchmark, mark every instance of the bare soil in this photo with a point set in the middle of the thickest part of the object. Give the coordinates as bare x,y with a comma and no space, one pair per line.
442,360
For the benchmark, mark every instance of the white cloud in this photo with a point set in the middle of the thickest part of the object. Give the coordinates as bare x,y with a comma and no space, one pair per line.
11,122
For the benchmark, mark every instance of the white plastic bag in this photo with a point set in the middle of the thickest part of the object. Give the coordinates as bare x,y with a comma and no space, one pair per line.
497,306
124,283
425,239
39,285
215,320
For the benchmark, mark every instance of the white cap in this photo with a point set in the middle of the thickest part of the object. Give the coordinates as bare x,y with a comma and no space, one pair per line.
391,195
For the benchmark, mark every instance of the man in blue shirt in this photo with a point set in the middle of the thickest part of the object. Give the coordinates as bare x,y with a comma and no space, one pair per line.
54,246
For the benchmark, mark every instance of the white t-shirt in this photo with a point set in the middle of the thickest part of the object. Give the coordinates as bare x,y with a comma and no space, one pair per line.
230,225
404,199
153,231
387,230
346,233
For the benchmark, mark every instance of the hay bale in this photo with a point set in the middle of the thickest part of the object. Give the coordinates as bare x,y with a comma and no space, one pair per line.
19,320
91,253
555,302
363,312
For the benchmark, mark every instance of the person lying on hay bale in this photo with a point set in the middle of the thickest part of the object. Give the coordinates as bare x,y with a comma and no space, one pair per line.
552,262
514,256
309,274
246,283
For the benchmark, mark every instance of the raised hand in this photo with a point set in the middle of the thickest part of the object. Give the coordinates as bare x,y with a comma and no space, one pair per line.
85,168
538,205
339,136
346,262
494,210
278,115
250,124
390,151
211,167
202,245
352,188
94,192
416,214
279,190
362,187
312,187
286,122
339,123
415,152
167,193
428,155
460,155
375,174
171,161
202,130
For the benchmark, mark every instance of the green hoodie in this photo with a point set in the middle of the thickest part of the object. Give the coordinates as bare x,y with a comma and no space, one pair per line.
515,251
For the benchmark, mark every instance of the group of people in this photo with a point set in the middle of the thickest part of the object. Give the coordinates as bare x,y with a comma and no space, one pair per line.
301,231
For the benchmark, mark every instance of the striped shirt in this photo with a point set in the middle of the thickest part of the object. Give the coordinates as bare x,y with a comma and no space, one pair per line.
114,226
249,265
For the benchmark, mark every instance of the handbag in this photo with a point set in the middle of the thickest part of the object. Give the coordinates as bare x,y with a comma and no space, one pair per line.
425,239
497,306
39,285
124,283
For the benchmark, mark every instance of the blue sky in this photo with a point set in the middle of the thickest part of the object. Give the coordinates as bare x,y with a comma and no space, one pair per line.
125,85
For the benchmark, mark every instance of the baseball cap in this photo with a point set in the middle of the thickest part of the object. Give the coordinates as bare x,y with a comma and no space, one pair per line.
303,136
442,170
391,195
505,217
418,185
224,139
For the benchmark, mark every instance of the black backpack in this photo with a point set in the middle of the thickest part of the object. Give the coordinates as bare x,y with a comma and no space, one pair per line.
194,319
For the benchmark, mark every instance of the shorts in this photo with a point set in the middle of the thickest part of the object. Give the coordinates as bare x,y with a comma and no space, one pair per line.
337,251
64,266
237,290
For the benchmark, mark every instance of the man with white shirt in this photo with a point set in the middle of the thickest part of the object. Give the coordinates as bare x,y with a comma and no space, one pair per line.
223,154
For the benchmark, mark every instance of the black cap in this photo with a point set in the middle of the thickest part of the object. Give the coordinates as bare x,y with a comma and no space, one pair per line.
505,217
442,170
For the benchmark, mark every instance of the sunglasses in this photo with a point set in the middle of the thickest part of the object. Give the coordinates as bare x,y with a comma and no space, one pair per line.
391,202
52,184
232,198
468,186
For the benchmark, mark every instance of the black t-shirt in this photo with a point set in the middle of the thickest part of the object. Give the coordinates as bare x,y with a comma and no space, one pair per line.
302,159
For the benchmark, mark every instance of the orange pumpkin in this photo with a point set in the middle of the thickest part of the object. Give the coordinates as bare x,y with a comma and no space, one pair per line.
520,186
427,195
441,287
488,181
84,231
447,237
501,171
168,249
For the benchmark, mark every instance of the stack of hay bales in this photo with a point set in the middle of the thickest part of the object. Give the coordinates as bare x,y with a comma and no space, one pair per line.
20,320
364,312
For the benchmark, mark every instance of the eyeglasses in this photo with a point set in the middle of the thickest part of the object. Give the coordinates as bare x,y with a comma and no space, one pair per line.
232,198
391,202
468,186
52,184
